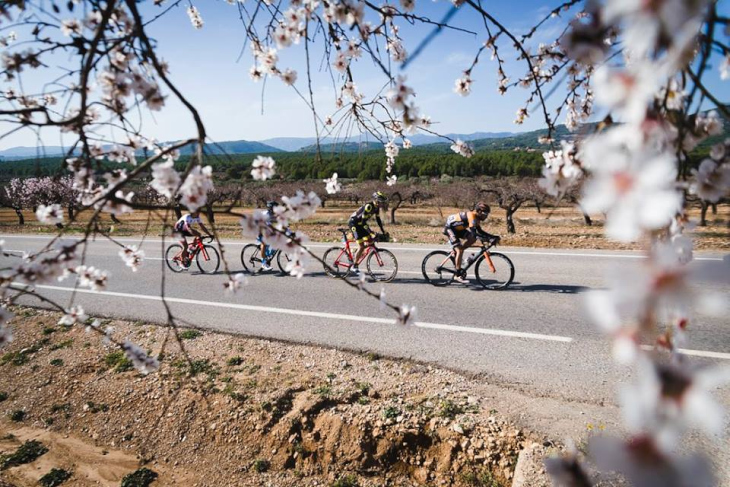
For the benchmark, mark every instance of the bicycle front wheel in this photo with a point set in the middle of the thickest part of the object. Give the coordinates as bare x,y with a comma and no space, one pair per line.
336,264
251,258
173,257
208,259
497,277
282,260
439,268
382,265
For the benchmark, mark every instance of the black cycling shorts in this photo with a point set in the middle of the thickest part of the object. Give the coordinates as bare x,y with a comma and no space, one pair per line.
454,236
360,230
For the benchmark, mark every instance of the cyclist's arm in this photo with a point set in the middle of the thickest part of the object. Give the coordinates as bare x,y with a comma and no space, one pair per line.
202,227
380,222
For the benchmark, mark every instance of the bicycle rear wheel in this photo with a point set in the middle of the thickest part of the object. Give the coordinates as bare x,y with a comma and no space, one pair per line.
251,258
173,258
500,277
282,260
439,268
382,265
336,263
208,259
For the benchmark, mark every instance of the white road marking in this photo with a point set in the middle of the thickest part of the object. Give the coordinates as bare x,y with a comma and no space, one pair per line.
405,249
696,353
317,314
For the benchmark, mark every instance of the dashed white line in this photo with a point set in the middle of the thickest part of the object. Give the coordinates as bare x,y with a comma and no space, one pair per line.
695,353
317,314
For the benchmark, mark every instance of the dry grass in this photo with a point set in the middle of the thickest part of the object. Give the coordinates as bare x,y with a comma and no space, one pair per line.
558,228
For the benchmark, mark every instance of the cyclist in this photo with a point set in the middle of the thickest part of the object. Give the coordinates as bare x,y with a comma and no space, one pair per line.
359,224
271,221
184,226
466,225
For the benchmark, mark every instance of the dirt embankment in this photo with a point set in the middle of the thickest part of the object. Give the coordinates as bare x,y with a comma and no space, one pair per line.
236,411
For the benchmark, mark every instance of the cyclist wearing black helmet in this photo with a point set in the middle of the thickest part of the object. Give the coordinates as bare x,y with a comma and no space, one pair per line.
465,225
359,224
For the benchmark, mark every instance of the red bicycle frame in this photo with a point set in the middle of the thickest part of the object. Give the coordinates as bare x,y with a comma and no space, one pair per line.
348,252
197,247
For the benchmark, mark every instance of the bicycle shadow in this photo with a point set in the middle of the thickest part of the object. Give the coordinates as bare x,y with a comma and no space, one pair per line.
538,288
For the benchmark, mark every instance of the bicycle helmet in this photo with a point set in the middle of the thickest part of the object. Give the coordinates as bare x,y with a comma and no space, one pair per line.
380,197
482,210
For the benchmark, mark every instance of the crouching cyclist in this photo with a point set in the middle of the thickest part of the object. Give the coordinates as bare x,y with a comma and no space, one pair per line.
466,225
184,226
359,225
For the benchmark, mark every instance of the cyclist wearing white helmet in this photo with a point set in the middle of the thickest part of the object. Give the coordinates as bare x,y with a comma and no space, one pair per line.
359,224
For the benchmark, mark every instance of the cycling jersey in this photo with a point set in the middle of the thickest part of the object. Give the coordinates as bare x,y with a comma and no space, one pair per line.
358,222
463,220
184,223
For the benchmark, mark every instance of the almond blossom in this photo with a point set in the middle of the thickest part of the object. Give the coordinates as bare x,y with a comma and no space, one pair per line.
391,180
73,315
235,282
462,86
132,257
712,180
263,168
141,361
561,171
194,190
462,148
91,277
333,186
165,179
407,315
52,214
195,17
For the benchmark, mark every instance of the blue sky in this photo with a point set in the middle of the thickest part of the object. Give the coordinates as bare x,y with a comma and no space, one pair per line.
204,65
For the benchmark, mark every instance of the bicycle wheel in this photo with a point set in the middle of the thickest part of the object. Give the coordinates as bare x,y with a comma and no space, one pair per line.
251,258
174,261
382,265
208,260
336,263
501,277
282,260
438,268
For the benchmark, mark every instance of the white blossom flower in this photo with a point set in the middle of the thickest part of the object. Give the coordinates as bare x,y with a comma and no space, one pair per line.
255,73
391,180
333,186
73,315
406,315
398,95
195,17
712,180
141,361
407,144
462,86
263,168
340,63
195,189
397,50
627,91
51,214
235,282
91,277
289,76
71,27
561,171
462,148
132,256
165,179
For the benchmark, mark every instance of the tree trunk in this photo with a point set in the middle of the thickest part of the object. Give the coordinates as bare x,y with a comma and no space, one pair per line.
397,196
538,205
70,211
587,219
510,221
703,213
21,218
209,212
714,208
178,211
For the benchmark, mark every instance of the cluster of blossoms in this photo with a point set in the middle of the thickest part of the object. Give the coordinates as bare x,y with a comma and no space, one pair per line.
712,178
73,315
462,148
132,257
263,168
194,190
141,361
51,214
120,81
195,17
91,277
332,184
561,170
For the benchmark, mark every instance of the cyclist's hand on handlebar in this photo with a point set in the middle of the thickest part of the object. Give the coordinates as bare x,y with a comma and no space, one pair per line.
495,239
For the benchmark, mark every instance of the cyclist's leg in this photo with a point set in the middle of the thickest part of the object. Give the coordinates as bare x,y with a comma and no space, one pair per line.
455,244
262,248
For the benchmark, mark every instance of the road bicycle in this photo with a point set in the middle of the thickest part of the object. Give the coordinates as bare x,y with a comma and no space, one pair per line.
251,258
381,263
206,256
492,269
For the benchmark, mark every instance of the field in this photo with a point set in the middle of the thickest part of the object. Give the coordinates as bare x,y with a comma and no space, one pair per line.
561,227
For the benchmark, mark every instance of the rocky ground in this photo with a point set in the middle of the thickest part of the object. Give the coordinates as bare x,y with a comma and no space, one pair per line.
227,410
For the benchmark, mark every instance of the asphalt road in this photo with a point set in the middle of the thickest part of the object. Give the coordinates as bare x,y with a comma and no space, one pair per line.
534,337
